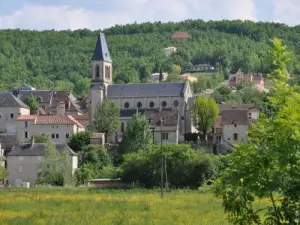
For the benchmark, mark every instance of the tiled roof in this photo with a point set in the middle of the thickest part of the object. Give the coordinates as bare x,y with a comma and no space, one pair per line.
180,34
7,99
38,149
44,96
51,120
235,116
81,117
145,90
26,117
8,141
170,119
257,78
236,106
101,50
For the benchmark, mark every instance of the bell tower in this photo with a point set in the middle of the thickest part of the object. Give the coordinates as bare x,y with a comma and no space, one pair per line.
101,76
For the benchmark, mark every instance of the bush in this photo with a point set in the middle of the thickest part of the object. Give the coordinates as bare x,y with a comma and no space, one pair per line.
185,167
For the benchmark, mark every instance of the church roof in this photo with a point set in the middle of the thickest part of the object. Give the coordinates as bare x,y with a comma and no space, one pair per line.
101,50
146,90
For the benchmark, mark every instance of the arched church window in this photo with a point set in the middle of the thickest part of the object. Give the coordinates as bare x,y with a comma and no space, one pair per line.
97,71
164,104
151,104
139,104
175,103
126,105
107,72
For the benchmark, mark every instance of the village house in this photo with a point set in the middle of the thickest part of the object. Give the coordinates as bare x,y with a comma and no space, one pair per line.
170,50
240,77
155,76
23,162
10,109
49,99
188,77
179,35
59,127
203,68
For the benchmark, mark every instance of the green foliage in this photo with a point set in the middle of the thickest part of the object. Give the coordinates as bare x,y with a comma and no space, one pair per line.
56,169
204,113
3,172
185,166
79,140
41,139
94,154
107,117
269,166
137,135
32,102
224,90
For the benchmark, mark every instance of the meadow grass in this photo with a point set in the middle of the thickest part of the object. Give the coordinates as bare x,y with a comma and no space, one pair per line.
83,206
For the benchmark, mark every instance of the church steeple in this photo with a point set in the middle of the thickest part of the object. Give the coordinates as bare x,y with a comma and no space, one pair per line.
101,52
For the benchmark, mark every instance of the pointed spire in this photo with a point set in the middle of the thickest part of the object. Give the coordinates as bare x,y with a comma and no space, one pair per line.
101,50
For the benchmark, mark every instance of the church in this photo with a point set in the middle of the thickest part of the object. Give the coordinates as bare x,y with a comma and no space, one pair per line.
164,104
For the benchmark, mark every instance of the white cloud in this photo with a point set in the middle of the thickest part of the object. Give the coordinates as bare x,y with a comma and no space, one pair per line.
287,11
42,17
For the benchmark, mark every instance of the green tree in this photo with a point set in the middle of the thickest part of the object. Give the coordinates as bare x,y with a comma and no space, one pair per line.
160,75
204,113
41,139
107,117
224,90
94,154
79,140
137,135
32,102
56,169
268,167
3,171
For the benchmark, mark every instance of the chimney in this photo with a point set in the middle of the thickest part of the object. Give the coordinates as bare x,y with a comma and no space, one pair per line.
32,141
61,108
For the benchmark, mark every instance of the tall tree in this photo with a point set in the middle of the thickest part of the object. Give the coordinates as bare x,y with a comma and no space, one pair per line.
79,140
160,75
204,113
107,117
137,135
268,167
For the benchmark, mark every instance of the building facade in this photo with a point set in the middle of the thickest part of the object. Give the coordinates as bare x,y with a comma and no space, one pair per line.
132,97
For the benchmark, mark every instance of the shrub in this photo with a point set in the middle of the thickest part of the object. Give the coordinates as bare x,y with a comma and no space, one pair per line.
191,137
185,167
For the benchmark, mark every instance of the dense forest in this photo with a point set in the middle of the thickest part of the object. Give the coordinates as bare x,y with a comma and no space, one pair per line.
61,59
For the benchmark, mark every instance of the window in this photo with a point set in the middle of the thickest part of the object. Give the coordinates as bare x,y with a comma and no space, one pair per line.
26,124
249,116
139,104
57,136
43,106
175,103
0,116
235,136
25,134
165,136
20,168
67,135
164,104
151,104
126,105
53,136
235,125
21,158
97,71
11,115
107,72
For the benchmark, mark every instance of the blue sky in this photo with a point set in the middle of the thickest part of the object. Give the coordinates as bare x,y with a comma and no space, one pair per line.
95,14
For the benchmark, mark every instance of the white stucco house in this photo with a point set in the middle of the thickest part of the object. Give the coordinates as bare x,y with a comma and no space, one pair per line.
59,128
23,162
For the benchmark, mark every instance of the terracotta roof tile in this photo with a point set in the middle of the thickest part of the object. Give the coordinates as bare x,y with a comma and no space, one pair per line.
26,117
235,116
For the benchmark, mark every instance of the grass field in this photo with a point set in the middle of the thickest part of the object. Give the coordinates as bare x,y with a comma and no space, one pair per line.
82,206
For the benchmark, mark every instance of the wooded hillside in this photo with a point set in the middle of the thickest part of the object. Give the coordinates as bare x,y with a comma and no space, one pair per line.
61,59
